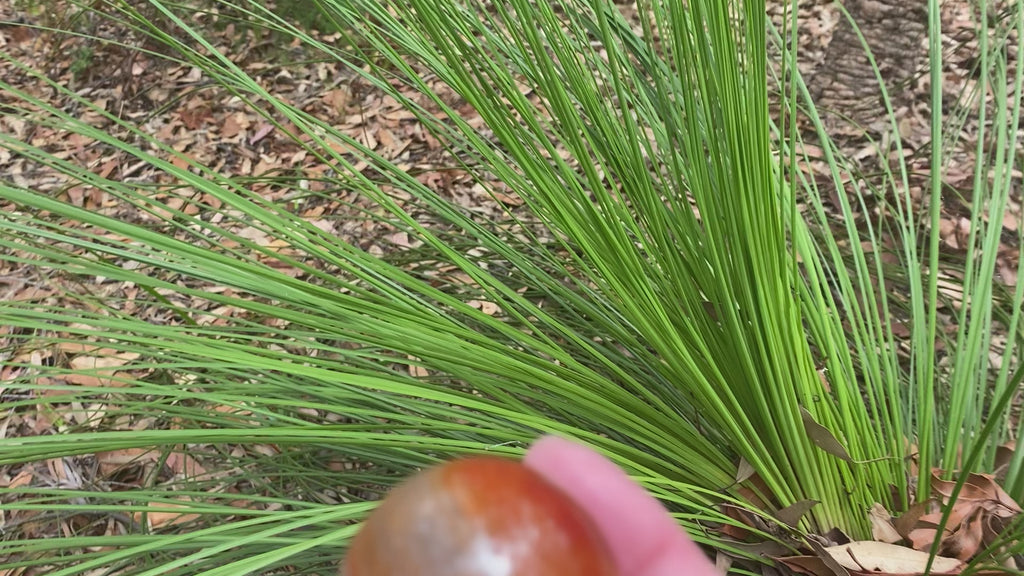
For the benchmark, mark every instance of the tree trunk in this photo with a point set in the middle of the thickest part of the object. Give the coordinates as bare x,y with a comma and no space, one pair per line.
844,85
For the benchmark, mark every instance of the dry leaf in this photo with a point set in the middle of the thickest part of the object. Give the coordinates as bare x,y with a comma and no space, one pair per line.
415,370
184,465
743,518
908,520
822,437
791,515
883,558
975,521
811,565
882,528
23,478
165,514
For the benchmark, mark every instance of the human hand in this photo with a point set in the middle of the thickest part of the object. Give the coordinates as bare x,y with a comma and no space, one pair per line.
643,538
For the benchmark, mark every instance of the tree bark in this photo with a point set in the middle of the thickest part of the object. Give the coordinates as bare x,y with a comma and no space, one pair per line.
844,85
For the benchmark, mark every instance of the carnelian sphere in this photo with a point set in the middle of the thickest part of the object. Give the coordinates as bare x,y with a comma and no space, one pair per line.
480,516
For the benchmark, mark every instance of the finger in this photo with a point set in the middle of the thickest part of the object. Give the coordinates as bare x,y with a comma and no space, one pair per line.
644,539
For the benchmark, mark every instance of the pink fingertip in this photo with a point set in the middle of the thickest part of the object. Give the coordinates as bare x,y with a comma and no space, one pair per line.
644,539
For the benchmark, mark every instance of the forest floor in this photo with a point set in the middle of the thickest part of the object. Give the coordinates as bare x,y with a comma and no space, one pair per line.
179,105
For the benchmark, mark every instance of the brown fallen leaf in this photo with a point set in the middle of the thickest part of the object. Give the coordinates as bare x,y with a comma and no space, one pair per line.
807,564
883,558
743,518
822,437
869,558
184,465
882,528
819,564
907,521
975,521
981,487
791,515
23,478
165,514
1004,454
968,538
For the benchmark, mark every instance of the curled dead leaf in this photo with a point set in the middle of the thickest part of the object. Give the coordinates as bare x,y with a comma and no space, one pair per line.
744,470
975,520
791,515
883,558
882,528
908,520
864,558
742,519
1004,454
822,437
